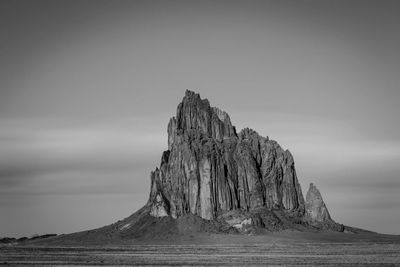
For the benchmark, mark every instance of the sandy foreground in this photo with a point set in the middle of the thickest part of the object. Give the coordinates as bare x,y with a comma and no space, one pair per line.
307,249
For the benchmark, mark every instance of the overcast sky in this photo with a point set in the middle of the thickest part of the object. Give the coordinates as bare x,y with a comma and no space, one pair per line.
87,89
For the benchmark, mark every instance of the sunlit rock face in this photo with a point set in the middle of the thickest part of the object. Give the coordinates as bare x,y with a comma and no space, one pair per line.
210,169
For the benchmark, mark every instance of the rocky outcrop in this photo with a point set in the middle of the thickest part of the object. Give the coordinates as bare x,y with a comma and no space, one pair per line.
317,214
316,209
215,180
210,169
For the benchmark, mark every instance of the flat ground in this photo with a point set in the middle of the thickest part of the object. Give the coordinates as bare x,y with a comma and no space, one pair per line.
285,248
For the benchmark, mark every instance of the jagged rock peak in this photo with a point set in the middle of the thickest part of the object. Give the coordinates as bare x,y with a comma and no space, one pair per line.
196,113
209,169
195,116
316,209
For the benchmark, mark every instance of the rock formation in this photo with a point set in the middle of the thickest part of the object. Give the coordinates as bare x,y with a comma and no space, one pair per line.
209,169
315,207
215,180
317,214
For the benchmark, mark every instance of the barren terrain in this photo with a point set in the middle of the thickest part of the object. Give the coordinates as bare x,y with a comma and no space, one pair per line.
198,249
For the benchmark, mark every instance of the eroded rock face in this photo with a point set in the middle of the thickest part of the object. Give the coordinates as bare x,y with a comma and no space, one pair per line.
316,209
158,209
209,169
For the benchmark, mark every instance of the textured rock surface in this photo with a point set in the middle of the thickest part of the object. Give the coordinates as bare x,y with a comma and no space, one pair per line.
316,212
316,209
210,169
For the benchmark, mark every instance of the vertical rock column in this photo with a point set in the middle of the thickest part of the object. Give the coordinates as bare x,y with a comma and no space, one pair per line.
316,209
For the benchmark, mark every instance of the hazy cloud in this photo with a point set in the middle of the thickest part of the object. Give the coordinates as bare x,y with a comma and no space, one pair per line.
88,151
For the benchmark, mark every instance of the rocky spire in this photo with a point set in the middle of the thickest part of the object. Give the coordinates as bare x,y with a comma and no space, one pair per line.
196,115
316,209
209,169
